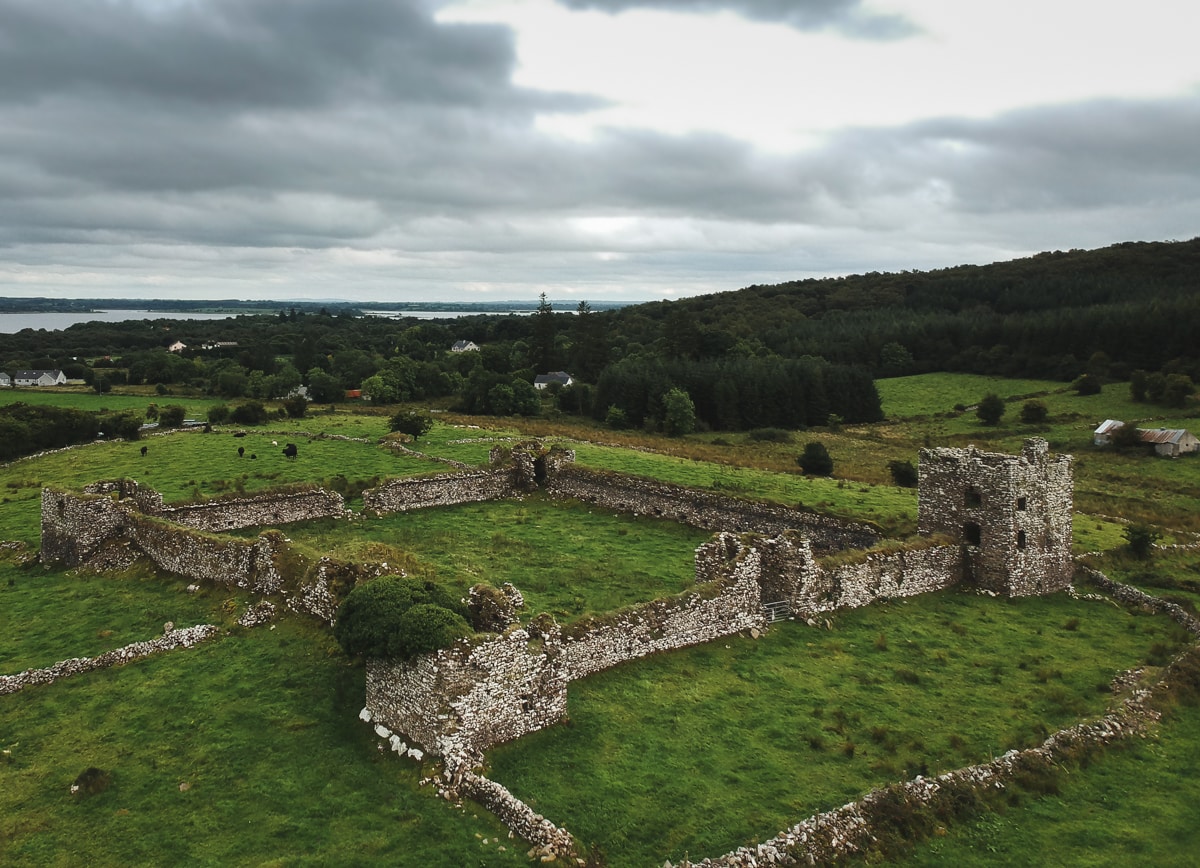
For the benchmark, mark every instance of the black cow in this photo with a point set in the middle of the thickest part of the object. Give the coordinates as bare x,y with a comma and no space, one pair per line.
145,449
290,451
241,451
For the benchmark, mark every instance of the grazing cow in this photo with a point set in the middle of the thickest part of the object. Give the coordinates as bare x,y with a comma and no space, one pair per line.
253,456
241,451
145,449
290,451
274,442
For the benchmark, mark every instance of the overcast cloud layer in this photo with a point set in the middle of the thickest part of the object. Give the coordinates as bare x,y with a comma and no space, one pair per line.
599,149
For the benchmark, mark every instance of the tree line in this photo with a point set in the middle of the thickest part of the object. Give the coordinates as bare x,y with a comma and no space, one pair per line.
790,355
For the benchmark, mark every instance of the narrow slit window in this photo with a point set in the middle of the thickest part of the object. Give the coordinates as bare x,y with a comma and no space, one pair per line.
972,533
1020,539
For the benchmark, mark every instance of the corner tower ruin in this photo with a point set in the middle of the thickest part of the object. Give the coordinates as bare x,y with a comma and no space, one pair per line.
1011,514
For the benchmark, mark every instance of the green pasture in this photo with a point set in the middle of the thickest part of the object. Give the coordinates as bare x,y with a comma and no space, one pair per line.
1135,807
929,394
246,750
712,747
47,615
191,464
566,559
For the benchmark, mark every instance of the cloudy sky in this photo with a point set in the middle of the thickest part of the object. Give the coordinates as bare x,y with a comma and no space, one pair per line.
588,149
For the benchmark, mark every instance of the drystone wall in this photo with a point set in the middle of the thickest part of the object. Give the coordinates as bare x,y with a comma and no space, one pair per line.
704,509
401,495
833,837
664,625
169,641
104,533
268,508
249,564
459,701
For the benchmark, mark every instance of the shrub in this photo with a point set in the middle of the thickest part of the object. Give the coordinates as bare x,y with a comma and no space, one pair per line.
296,406
426,627
904,473
1034,412
616,418
248,413
412,422
1140,538
171,416
679,413
371,620
815,460
218,414
991,409
1088,384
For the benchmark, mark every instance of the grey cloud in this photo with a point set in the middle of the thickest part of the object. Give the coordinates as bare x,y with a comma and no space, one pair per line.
230,54
845,16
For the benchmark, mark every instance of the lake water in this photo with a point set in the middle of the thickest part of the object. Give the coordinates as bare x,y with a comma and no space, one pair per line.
11,323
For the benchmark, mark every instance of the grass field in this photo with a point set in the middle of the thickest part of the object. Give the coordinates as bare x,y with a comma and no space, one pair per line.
569,560
698,751
244,751
707,748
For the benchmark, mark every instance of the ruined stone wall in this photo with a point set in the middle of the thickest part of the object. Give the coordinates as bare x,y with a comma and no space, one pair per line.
704,509
255,510
667,624
231,562
463,699
104,533
268,509
1011,512
786,569
401,495
75,527
879,577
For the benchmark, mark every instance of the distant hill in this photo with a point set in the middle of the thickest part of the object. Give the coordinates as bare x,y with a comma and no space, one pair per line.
1044,315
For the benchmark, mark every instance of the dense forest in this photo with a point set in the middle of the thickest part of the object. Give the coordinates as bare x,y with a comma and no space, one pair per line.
790,355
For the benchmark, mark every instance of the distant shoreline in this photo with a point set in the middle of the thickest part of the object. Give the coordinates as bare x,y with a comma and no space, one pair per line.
235,307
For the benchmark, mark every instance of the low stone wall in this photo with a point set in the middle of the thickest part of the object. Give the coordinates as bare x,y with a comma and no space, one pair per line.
169,641
241,563
104,533
232,513
459,701
271,509
849,831
401,495
704,509
664,625
879,577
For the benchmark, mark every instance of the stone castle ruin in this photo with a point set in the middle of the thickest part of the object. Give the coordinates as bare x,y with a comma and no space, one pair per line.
997,522
1012,514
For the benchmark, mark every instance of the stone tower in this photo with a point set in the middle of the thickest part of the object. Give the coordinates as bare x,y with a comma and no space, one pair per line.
1012,514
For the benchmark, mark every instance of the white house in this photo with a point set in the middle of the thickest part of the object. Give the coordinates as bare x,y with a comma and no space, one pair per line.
562,378
1102,436
464,347
39,378
5,381
177,347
